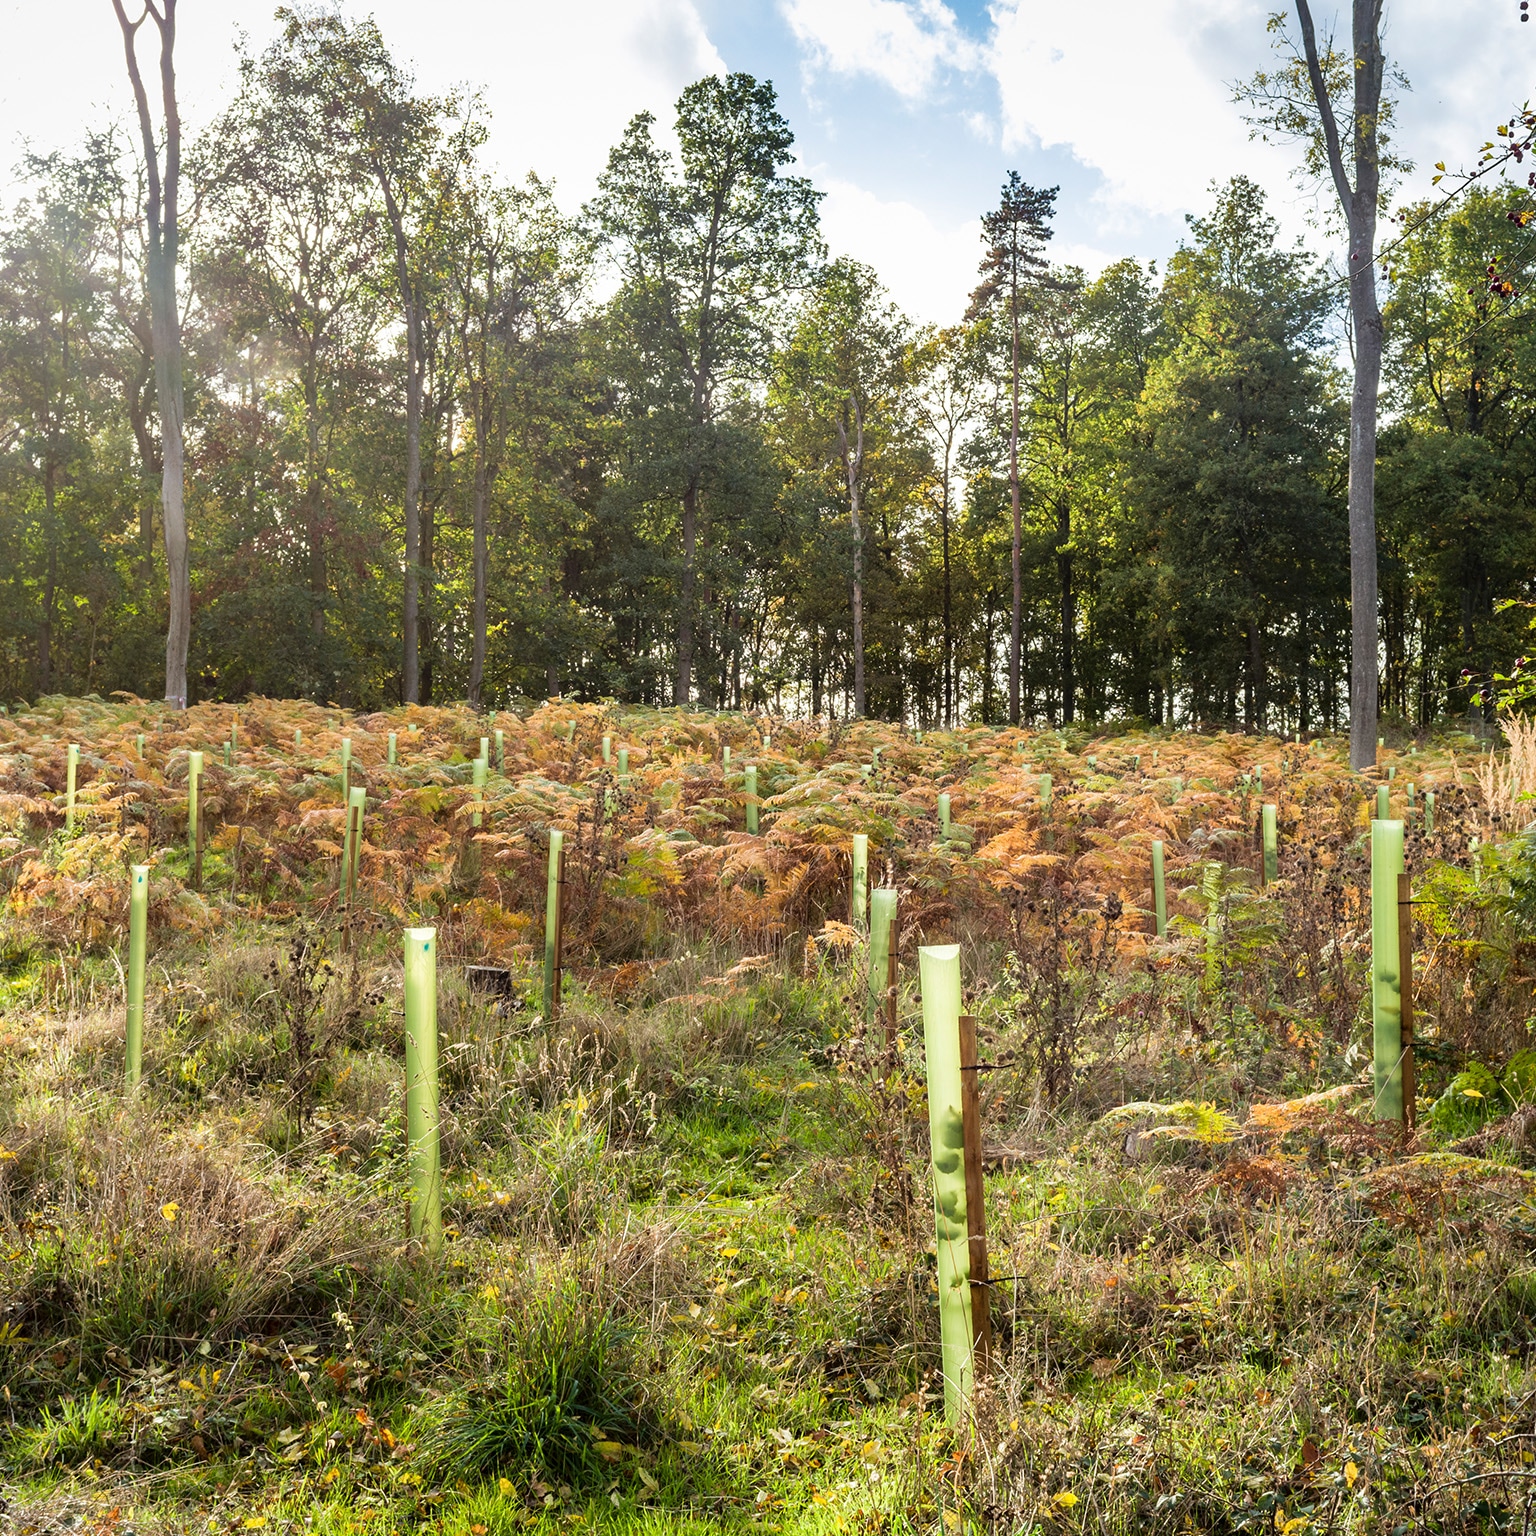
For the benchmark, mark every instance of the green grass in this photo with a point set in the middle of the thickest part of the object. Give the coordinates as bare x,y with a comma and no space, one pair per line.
688,1283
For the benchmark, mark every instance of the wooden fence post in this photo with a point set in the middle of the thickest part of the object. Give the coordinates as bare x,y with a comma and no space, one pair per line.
975,1198
1405,971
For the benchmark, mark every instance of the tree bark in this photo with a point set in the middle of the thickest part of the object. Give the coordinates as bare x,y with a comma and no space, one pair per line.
1068,610
853,471
683,683
477,663
1016,629
161,214
1359,204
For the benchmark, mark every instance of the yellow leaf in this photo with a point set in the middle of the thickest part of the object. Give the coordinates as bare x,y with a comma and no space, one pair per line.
1066,1499
505,1485
170,1210
1351,1473
255,1522
1471,1093
729,1253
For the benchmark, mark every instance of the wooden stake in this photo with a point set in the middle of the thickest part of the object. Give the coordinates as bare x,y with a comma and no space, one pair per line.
1405,971
559,934
975,1198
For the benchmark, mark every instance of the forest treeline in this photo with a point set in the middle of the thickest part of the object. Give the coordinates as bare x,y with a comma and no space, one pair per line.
672,449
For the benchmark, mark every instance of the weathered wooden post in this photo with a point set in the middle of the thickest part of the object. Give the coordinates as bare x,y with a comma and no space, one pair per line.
939,969
138,946
421,1103
357,804
1386,970
975,1199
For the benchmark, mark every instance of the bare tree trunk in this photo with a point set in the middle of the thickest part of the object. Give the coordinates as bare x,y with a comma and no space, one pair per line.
477,663
853,470
683,684
1068,610
165,327
1016,629
1359,204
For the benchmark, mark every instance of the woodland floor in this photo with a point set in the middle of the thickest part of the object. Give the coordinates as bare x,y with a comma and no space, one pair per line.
688,1276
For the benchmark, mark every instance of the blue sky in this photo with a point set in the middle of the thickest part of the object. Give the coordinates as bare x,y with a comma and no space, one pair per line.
907,112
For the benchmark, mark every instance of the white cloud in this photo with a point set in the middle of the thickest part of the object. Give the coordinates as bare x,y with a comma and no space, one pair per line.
1141,96
904,43
561,80
929,268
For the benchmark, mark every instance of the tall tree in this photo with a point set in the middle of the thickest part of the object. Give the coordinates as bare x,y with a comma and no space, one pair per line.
162,163
1016,233
1304,100
704,250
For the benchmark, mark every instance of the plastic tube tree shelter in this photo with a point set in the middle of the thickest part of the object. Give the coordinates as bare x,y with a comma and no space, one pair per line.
194,773
478,774
1159,888
1429,813
138,945
485,751
298,740
138,746
1386,971
607,749
421,1121
552,918
939,969
859,884
71,773
1383,803
882,970
944,815
351,847
1271,843
394,747
751,777
501,751
623,763
346,767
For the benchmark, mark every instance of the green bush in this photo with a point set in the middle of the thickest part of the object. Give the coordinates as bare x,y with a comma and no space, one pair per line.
1472,1098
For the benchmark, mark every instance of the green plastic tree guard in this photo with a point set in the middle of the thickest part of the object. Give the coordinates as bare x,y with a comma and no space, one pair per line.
944,815
346,768
394,748
298,741
608,749
501,751
421,1120
357,804
859,895
138,944
138,746
751,777
478,774
939,970
1391,771
1383,803
71,771
194,773
234,729
1386,970
623,762
552,921
1271,844
725,757
1045,794
1429,813
882,918
229,754
1159,888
